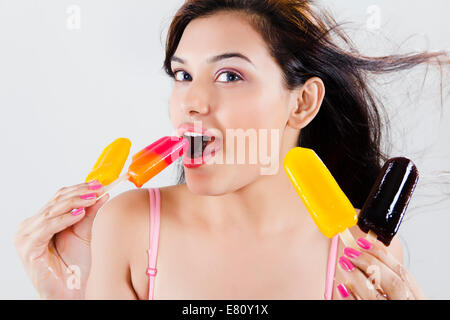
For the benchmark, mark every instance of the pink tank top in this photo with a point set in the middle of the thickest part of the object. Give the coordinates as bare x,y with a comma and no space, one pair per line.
155,207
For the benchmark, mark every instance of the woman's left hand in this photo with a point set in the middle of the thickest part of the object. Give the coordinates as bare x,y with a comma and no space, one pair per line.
373,273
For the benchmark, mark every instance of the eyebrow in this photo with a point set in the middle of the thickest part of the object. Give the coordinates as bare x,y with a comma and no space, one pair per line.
217,58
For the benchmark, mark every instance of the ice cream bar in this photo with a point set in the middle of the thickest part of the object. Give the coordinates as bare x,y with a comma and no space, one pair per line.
327,204
111,162
383,211
151,160
156,157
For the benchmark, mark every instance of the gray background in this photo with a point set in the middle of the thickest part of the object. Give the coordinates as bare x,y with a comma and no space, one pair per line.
66,93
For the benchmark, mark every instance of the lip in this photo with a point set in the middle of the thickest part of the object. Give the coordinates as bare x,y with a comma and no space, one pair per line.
198,162
189,127
192,128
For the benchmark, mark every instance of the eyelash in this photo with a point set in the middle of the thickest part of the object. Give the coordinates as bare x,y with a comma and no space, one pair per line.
231,72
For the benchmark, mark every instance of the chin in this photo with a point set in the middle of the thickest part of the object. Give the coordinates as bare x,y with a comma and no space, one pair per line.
208,184
205,182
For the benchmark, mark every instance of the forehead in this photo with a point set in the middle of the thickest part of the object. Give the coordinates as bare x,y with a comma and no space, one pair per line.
222,32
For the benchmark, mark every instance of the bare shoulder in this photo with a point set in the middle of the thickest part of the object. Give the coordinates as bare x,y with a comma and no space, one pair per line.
130,207
115,232
123,209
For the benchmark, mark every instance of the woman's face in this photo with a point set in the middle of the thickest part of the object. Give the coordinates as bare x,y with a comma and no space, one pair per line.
230,93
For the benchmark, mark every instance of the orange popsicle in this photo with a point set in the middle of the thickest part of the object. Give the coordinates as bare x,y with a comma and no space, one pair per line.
151,160
156,157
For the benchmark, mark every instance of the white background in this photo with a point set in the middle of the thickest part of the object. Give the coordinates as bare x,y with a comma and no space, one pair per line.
66,93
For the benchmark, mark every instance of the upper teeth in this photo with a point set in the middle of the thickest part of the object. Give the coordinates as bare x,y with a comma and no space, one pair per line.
193,134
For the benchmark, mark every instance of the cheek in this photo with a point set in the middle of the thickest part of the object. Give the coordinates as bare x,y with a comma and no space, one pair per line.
175,113
252,109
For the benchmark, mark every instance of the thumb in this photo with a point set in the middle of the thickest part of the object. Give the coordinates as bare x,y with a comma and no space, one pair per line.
92,210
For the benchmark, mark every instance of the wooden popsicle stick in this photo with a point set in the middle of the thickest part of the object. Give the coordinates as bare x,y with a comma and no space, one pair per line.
111,186
347,239
371,236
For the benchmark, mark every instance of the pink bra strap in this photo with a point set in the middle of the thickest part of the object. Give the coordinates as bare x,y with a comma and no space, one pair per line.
329,282
154,197
155,206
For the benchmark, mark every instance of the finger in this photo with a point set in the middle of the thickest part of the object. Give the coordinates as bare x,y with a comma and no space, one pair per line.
63,222
68,192
64,202
92,210
345,292
379,275
70,204
381,252
411,282
357,282
84,227
64,190
23,228
83,189
44,233
61,216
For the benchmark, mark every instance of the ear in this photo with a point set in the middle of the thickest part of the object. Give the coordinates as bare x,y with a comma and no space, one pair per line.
306,102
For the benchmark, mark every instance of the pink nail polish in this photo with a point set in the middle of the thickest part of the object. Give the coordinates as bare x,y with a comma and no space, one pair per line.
352,253
363,243
89,196
343,291
77,212
94,185
346,264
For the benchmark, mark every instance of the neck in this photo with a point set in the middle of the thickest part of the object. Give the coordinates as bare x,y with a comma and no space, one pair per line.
268,205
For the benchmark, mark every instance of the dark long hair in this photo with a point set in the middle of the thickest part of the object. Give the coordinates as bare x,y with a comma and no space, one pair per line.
347,131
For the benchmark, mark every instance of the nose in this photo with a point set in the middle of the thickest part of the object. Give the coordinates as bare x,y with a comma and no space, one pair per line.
196,101
196,110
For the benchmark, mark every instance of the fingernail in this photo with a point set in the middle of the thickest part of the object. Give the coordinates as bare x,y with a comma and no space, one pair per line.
343,291
363,243
89,196
94,185
346,264
77,212
352,253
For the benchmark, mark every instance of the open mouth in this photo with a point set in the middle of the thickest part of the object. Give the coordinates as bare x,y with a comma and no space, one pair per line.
197,144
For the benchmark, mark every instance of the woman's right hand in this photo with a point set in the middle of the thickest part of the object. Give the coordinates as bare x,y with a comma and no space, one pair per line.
54,244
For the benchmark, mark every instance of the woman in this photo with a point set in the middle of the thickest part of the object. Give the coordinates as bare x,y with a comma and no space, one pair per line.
231,232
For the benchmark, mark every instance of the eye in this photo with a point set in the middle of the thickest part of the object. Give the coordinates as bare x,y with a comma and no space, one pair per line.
180,75
184,76
231,76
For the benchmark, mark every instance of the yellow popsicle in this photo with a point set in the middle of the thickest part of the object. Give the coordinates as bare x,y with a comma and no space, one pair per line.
326,202
111,162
